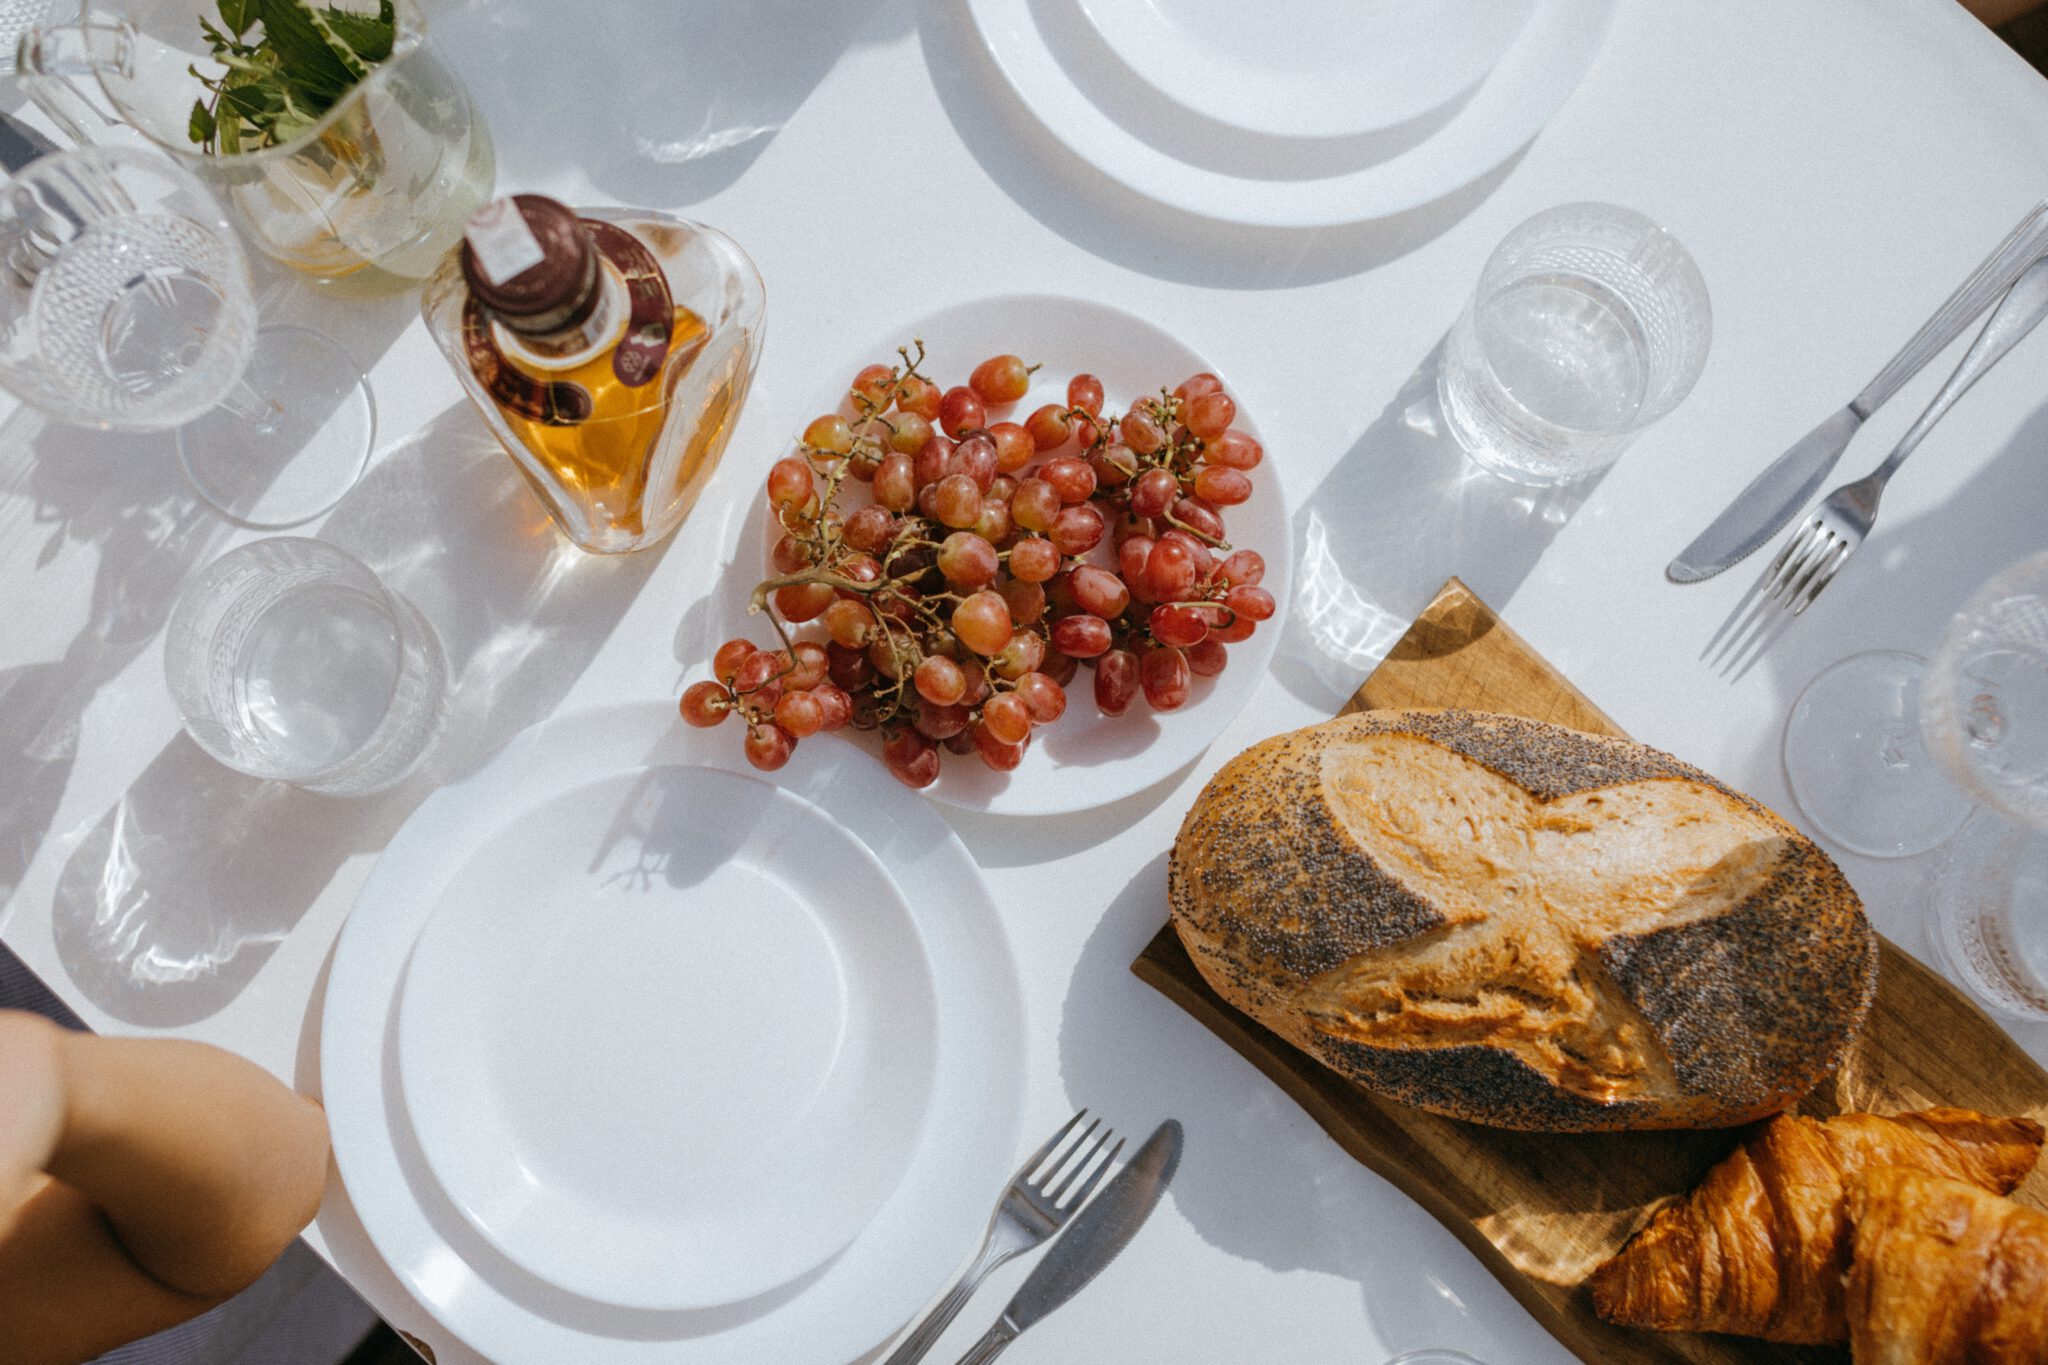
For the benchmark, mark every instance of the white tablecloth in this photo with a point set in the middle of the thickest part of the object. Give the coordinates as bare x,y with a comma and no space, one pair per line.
1835,166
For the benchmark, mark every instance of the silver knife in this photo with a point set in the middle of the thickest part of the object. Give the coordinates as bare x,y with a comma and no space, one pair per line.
1091,1241
1775,496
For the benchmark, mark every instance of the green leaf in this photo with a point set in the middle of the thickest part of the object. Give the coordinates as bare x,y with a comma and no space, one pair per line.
201,126
304,54
237,15
230,137
369,37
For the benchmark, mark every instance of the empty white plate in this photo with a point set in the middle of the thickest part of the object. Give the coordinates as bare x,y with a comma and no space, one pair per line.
667,1038
1308,68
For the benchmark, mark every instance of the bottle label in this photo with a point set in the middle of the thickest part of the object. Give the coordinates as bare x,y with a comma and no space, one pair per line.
504,245
652,315
636,360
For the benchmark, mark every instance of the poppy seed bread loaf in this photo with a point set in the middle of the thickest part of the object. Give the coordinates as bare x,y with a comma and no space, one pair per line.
1522,925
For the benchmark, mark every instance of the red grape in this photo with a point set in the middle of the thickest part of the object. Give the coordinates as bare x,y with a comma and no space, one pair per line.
1114,466
1165,677
1001,379
1072,479
1209,415
757,671
1222,485
1023,654
1026,600
967,561
1099,592
1252,602
849,624
1006,718
706,703
1234,449
1244,568
800,714
975,457
1049,428
1141,431
803,601
838,705
993,525
896,484
1078,529
1116,681
1034,560
939,680
1035,505
870,529
1061,668
872,384
848,667
960,412
982,622
1153,493
919,395
789,484
930,463
912,758
1194,386
1044,698
725,664
1234,631
768,746
1178,625
831,433
1081,636
1131,556
909,432
1199,516
997,755
956,501
1169,571
942,722
808,665
1207,658
1014,446
789,555
1084,391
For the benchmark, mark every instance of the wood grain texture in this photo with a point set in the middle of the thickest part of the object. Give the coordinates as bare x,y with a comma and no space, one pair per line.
1541,1209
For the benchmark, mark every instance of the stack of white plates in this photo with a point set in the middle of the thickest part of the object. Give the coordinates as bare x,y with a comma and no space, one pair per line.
630,1056
1304,113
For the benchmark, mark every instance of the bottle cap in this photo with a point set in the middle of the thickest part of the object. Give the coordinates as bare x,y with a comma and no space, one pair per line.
530,261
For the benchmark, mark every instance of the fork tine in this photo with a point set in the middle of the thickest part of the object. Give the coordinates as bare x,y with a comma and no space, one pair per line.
1823,578
1095,1176
1794,556
1037,1158
1079,1164
1785,551
1823,550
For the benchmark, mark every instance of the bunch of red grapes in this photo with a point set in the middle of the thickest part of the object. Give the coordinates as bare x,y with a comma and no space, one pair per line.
957,605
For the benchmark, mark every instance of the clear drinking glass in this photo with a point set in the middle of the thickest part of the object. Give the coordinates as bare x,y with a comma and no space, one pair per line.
383,181
1434,1357
1589,323
126,303
290,660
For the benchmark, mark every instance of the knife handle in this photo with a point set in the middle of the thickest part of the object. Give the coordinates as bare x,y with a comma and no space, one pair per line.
991,1344
2022,247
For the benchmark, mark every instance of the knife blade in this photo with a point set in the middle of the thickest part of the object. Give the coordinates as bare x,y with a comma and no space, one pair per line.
1091,1241
1775,496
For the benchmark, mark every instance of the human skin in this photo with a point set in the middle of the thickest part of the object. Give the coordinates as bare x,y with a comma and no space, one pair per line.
142,1181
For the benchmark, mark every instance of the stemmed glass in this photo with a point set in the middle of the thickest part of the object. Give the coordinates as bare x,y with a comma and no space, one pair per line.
1886,755
126,303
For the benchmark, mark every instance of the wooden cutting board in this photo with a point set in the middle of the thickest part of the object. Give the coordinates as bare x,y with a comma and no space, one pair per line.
1541,1209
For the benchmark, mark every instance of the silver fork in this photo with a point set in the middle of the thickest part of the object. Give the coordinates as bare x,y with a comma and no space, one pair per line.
1030,1211
1815,553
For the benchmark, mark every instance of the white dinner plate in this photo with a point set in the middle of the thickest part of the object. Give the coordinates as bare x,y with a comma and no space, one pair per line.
1084,759
835,1312
1307,68
1278,183
667,1037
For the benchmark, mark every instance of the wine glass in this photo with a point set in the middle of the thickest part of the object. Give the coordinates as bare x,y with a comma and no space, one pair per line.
126,304
1890,755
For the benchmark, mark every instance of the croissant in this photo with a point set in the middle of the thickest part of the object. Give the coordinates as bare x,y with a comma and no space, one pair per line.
1945,1274
1759,1249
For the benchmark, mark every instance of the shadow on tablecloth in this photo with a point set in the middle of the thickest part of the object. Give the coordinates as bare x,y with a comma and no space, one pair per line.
176,895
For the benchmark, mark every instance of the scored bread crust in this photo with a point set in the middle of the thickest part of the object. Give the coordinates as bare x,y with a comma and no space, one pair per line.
1592,935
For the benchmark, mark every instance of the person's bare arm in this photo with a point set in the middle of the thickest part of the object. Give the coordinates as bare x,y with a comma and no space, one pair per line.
141,1182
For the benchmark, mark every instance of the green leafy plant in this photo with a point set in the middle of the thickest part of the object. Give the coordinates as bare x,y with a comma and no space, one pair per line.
279,82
